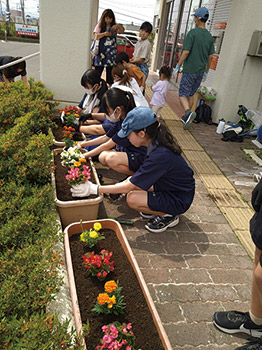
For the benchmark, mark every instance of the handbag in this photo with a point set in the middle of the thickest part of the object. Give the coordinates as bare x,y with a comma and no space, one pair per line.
94,49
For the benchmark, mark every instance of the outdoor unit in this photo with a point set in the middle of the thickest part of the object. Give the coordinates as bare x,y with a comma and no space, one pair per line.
255,46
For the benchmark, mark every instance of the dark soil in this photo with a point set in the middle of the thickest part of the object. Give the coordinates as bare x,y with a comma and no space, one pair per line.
89,287
62,186
57,131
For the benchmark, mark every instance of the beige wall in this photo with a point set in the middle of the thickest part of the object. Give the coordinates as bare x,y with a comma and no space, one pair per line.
66,29
238,78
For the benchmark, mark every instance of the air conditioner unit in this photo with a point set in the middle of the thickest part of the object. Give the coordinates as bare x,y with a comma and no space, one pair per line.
255,46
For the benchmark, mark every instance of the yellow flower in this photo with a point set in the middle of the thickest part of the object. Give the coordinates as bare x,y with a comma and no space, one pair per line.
103,298
113,299
82,160
93,234
97,226
82,237
110,286
77,164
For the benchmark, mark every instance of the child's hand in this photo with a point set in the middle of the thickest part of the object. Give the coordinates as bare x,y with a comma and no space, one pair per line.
107,33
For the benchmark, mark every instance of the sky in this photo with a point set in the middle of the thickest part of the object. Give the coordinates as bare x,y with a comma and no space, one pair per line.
138,12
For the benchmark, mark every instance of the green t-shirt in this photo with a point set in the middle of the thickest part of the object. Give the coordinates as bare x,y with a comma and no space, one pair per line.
200,44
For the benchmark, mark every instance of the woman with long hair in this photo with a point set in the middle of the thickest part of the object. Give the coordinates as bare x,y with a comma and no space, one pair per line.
106,31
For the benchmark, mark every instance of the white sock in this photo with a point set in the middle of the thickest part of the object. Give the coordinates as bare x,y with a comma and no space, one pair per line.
168,216
256,320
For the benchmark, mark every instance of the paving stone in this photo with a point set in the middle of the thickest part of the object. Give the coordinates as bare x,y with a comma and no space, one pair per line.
209,227
205,167
156,276
197,311
143,261
172,292
237,262
231,276
180,248
189,333
170,312
168,261
244,291
189,276
196,156
217,292
223,249
227,198
203,261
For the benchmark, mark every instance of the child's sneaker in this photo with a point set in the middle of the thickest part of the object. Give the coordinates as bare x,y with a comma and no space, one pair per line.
146,216
253,345
236,322
188,118
159,224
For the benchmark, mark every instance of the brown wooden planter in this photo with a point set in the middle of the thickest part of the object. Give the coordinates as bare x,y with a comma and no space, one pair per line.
81,209
75,228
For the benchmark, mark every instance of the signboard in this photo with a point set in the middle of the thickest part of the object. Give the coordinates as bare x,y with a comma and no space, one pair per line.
220,25
214,62
24,29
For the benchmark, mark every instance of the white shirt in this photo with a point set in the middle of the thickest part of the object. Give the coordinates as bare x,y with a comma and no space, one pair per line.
136,92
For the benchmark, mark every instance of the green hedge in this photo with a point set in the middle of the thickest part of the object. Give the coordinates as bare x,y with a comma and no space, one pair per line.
29,265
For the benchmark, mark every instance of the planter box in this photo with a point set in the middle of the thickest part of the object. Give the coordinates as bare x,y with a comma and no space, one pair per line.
81,209
61,143
75,228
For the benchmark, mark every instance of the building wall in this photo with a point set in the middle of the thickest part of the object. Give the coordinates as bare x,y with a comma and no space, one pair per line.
66,29
238,77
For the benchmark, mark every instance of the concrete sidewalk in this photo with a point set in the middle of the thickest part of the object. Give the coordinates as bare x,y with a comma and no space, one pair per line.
199,266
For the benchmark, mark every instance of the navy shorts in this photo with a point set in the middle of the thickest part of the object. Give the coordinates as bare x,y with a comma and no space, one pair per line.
167,203
189,84
256,228
135,160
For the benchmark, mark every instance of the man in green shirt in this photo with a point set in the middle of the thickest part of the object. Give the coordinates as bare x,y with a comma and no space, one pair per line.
197,55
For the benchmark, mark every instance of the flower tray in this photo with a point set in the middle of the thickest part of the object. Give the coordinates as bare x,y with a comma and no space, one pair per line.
140,308
78,209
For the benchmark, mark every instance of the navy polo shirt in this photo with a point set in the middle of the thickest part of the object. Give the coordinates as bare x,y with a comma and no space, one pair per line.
171,178
124,143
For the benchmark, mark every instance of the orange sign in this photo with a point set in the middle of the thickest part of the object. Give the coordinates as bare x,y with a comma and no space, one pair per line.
214,62
220,25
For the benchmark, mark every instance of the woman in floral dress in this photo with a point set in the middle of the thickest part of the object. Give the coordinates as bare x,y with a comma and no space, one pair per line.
106,31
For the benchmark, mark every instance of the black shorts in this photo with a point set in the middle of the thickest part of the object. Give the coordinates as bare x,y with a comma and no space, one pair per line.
256,229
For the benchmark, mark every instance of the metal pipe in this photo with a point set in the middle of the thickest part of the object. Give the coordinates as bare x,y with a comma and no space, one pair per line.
20,60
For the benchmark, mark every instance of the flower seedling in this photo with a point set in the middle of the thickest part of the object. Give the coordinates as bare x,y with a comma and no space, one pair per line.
92,236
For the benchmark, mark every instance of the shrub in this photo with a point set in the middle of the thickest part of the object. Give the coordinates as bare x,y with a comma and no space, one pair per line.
39,331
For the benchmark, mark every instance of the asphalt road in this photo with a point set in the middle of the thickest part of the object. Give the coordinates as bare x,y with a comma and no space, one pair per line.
12,48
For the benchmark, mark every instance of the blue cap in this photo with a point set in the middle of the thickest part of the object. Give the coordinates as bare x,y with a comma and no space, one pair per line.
137,119
201,12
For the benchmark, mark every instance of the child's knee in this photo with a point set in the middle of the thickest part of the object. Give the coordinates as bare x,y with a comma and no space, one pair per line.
131,200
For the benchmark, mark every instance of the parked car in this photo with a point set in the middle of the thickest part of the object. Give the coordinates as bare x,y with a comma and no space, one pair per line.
169,50
124,44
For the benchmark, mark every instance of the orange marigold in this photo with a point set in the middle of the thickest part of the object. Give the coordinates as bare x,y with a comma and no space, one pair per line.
103,298
110,286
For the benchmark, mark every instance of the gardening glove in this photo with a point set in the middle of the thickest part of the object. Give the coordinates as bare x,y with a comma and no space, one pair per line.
175,71
84,190
204,76
62,118
75,126
84,116
256,198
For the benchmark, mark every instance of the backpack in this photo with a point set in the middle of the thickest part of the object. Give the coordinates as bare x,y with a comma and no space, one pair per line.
203,114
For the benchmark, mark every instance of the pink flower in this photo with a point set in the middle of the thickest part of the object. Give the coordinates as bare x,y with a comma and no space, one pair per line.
129,326
113,328
125,330
128,347
107,339
105,329
114,345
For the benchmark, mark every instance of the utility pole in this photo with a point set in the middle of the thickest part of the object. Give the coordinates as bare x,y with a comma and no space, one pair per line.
22,4
7,6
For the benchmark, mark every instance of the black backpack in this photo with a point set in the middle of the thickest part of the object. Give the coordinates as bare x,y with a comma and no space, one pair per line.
203,114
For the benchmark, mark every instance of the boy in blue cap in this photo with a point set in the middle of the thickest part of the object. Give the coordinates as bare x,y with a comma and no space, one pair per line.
197,55
163,187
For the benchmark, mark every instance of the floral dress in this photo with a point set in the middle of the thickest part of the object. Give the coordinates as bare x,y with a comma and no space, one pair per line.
107,52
